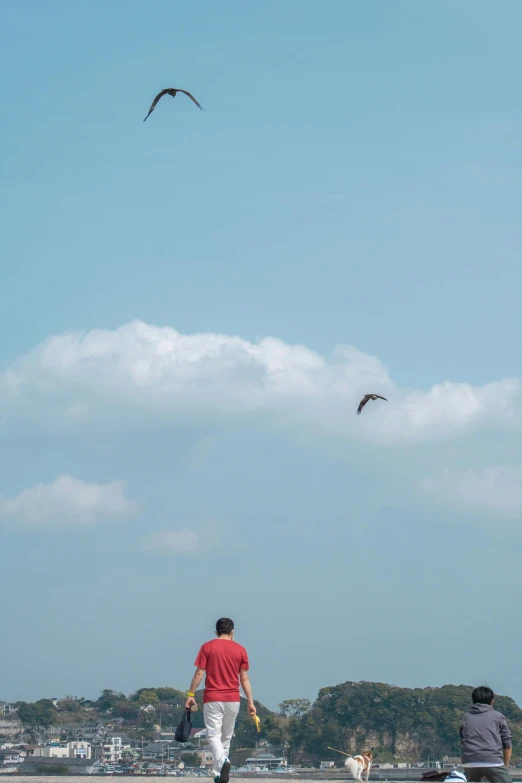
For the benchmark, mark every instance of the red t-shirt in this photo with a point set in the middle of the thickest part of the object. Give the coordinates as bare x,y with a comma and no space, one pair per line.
222,660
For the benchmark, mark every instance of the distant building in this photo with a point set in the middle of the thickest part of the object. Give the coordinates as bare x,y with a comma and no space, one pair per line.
10,758
107,746
79,749
125,740
130,754
155,751
167,735
148,708
451,761
112,750
51,752
327,764
267,760
395,765
205,758
35,764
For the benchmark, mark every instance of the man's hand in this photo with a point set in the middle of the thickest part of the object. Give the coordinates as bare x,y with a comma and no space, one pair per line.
194,685
247,690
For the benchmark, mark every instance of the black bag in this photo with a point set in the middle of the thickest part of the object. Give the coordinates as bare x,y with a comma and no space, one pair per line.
183,731
434,774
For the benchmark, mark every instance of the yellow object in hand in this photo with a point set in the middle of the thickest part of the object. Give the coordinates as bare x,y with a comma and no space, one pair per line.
257,722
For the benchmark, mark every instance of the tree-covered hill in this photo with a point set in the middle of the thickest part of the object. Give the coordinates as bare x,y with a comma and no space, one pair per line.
409,723
113,707
406,723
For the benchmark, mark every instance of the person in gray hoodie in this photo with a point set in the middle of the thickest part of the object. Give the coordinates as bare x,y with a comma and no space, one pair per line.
485,740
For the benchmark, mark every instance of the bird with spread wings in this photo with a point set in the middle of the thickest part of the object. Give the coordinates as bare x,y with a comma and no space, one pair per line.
368,397
171,91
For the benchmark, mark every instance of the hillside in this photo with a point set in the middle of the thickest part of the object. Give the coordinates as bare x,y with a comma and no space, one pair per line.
408,723
404,723
113,709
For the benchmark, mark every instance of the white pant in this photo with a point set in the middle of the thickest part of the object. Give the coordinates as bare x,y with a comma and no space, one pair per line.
220,719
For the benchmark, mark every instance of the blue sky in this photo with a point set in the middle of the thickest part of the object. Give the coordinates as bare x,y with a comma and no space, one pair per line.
192,307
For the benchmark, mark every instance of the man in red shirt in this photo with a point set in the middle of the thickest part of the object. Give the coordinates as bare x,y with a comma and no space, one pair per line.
225,664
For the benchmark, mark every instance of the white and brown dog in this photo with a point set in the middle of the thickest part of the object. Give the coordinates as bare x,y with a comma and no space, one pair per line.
360,765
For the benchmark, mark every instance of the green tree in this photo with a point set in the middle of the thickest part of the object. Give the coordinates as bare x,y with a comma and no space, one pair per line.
169,695
148,696
191,759
276,729
70,704
108,698
245,733
294,708
39,713
126,710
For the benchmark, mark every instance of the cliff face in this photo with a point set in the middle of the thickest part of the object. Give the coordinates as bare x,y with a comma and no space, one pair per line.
402,744
409,723
10,728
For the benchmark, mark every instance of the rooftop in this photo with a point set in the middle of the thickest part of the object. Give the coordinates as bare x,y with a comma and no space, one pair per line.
43,760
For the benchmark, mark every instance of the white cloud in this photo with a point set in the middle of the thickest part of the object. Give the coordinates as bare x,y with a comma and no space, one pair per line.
66,502
448,408
179,541
495,490
155,373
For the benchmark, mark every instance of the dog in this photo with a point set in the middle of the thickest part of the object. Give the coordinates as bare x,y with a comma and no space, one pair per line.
360,765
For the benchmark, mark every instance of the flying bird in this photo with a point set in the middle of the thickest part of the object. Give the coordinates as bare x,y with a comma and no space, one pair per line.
368,397
171,91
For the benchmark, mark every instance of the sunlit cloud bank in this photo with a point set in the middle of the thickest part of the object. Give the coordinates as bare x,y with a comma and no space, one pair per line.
150,372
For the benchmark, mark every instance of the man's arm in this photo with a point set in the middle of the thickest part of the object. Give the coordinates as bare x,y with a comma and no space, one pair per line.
247,690
194,685
505,735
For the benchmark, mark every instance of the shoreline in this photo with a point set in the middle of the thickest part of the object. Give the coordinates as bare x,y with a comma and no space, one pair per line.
308,776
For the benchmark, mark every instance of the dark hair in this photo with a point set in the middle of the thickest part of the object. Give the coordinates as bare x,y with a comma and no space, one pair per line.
482,695
224,626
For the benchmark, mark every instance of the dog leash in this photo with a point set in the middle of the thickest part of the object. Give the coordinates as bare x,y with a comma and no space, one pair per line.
341,751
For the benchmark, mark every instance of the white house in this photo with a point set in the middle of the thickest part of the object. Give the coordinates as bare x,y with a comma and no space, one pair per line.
205,758
10,758
112,750
52,751
148,708
79,750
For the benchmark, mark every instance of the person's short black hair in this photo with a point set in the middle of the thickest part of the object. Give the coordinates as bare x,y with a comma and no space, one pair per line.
482,695
224,626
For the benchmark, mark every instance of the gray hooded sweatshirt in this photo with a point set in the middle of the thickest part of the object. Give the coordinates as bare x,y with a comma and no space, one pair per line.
483,734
